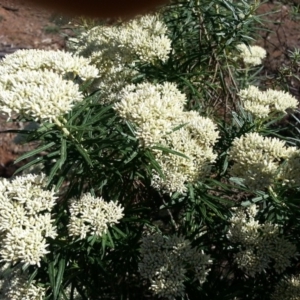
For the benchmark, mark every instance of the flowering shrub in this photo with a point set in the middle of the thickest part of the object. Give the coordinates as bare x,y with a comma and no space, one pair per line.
163,168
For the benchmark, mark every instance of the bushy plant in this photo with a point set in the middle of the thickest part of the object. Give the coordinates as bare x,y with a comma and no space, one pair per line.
159,171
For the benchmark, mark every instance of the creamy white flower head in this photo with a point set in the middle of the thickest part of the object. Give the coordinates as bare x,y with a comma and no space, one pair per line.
146,36
101,45
25,219
202,129
16,286
252,55
179,170
261,245
27,246
112,82
72,294
92,216
116,49
290,172
244,228
281,100
153,108
157,112
165,262
142,38
261,103
257,159
59,62
39,95
287,289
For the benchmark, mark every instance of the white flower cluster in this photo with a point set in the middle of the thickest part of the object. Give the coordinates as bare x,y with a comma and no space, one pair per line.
290,172
165,262
115,49
252,55
92,216
287,289
153,108
15,286
261,245
146,36
142,38
59,62
25,219
257,159
39,84
41,95
156,110
262,103
74,296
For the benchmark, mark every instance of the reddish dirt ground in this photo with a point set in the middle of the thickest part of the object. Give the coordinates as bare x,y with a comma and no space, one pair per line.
25,26
279,35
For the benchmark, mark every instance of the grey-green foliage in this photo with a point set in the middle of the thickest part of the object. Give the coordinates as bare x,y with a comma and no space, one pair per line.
204,35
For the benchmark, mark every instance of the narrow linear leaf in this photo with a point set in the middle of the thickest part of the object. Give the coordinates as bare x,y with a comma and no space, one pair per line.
51,273
120,232
191,192
34,152
59,277
63,152
53,172
32,276
132,156
164,149
84,155
33,162
110,239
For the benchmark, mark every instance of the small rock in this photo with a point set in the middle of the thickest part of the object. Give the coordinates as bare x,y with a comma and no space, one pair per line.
47,41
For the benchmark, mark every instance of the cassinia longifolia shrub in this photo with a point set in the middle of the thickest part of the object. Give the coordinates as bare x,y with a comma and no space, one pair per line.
162,166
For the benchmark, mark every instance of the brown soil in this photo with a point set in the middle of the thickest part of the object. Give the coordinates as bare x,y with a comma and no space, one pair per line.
280,35
25,26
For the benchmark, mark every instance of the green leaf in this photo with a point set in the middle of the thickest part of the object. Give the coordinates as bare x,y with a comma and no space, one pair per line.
82,151
51,273
191,192
54,170
120,232
63,152
32,276
103,242
34,152
110,239
167,150
33,162
59,277
132,156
